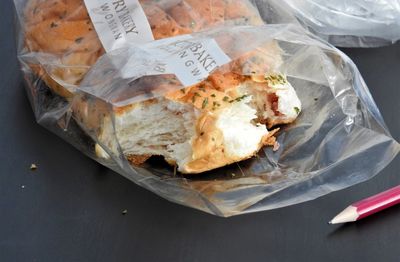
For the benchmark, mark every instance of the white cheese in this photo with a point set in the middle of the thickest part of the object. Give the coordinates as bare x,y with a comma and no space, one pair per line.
241,137
288,102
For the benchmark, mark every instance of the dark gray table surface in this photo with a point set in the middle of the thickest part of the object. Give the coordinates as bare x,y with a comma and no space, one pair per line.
70,208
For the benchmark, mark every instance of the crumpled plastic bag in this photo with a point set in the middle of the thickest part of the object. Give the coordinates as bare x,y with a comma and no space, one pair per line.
339,139
344,23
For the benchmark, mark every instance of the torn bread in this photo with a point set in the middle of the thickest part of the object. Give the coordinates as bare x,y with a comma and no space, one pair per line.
199,128
63,30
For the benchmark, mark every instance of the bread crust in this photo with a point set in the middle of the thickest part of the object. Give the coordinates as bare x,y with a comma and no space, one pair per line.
137,160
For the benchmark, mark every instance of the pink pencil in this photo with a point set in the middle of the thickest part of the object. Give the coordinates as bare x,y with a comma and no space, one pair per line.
368,206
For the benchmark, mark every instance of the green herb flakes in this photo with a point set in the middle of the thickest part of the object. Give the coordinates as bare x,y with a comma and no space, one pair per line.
240,98
276,79
78,40
205,103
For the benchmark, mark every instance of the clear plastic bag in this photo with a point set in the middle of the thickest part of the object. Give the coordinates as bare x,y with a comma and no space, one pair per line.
345,23
344,143
338,140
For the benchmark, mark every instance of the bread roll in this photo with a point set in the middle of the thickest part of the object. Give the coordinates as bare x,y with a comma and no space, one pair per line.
209,125
63,30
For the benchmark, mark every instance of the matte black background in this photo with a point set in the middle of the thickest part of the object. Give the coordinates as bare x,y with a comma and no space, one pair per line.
70,208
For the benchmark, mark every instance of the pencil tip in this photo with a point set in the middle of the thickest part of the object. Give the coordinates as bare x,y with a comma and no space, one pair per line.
349,214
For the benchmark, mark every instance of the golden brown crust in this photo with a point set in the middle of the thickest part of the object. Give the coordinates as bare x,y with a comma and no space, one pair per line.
196,15
90,113
62,37
242,11
225,81
162,25
270,139
137,160
208,148
211,11
57,88
203,96
123,109
187,17
280,121
63,29
38,10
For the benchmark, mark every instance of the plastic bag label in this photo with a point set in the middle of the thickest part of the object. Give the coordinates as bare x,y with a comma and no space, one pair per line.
195,62
118,22
190,60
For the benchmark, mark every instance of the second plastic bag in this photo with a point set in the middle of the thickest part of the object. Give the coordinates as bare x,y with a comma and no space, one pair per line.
345,23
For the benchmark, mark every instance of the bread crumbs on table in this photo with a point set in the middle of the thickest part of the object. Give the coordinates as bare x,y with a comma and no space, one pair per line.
125,211
33,167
